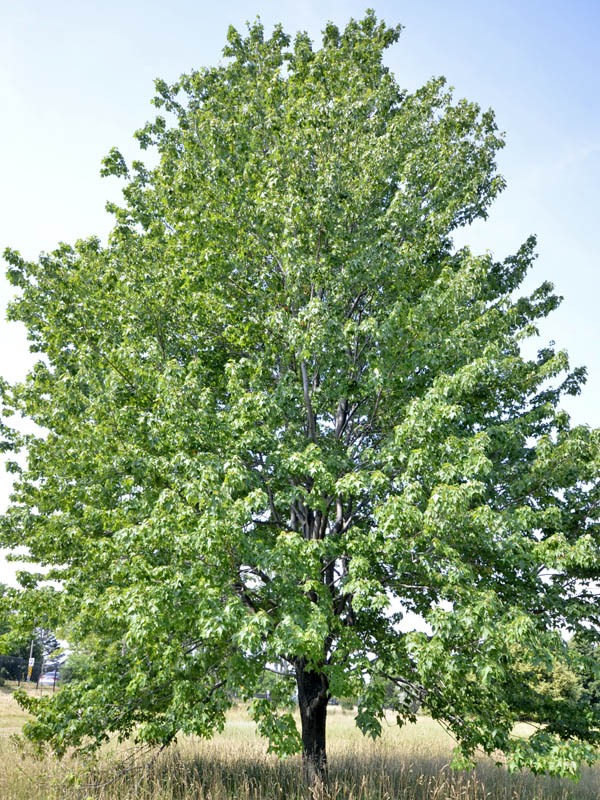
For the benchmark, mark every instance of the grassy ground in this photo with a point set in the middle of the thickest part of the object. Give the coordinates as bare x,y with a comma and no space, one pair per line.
409,763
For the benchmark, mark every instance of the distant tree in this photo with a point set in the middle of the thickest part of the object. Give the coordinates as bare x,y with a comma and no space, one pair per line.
281,409
15,643
77,667
587,668
543,687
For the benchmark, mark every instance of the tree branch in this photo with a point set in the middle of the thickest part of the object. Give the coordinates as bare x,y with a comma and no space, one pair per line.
310,414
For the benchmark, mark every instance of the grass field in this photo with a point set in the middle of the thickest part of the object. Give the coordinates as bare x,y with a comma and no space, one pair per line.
406,764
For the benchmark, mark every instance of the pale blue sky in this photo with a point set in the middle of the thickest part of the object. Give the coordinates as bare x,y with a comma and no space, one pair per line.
76,79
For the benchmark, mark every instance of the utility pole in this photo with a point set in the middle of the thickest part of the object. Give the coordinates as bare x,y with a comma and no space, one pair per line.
31,661
42,638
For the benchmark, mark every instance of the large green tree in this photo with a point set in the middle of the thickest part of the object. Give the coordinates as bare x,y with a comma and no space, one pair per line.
281,410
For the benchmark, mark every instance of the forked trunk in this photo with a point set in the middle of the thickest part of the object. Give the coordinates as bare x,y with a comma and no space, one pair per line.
313,696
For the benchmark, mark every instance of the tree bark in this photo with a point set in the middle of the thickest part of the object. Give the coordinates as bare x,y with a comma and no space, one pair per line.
313,696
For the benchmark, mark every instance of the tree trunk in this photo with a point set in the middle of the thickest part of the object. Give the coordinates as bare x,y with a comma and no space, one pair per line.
313,696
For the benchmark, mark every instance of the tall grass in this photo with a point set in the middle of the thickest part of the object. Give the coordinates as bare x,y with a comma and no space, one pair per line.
411,763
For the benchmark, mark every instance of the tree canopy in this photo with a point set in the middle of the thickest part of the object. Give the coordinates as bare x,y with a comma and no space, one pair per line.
281,410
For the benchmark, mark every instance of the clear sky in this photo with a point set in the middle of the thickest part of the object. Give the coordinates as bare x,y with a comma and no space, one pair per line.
76,79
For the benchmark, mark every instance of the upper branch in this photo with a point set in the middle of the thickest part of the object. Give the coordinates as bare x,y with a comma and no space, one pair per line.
310,414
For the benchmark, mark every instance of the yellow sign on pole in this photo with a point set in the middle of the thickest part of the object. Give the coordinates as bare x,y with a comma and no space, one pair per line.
30,667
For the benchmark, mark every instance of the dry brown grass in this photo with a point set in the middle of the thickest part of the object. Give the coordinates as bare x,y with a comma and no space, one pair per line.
409,763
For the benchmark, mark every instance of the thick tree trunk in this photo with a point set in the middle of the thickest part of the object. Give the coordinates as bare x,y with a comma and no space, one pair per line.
313,696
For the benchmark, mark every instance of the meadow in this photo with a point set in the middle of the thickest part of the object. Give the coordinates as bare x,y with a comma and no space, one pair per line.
408,764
